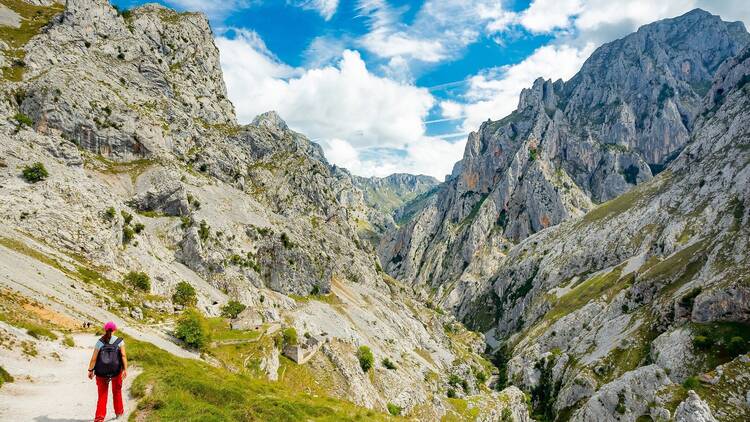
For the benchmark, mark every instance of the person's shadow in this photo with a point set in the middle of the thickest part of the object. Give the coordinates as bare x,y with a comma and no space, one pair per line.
48,419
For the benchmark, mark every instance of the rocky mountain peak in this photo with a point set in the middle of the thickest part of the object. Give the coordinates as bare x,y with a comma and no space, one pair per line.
620,120
271,120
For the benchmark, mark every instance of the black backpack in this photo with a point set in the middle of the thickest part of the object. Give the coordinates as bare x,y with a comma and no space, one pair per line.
109,360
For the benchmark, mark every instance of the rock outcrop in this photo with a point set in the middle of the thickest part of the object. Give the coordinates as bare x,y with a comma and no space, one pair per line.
621,119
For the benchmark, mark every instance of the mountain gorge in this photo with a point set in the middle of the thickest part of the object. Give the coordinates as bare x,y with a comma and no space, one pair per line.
595,239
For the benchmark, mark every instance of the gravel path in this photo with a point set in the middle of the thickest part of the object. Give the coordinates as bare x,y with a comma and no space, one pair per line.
52,390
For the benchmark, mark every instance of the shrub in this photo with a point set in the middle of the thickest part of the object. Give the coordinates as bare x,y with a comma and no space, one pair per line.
4,376
451,393
68,341
185,222
481,377
290,337
127,234
286,241
702,342
192,329
184,294
691,383
315,290
23,120
126,217
109,214
620,408
232,309
366,359
35,173
138,227
736,345
389,365
393,409
204,231
138,280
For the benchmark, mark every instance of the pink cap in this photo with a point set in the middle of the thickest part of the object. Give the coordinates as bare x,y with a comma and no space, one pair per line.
110,326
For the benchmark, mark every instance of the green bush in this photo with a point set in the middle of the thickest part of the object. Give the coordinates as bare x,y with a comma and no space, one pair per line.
138,228
127,234
393,409
192,329
691,383
68,341
184,294
232,309
737,345
204,231
35,173
185,222
109,213
138,280
702,342
288,244
389,365
290,337
451,393
126,217
23,120
4,376
366,359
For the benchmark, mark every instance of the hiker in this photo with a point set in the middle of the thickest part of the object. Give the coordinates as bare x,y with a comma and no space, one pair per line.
109,363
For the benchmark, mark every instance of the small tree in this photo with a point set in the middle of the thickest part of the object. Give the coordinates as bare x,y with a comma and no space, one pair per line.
184,294
35,173
138,280
192,329
290,337
366,359
232,309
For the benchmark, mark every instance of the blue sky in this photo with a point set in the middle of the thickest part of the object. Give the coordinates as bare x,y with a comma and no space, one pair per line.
396,85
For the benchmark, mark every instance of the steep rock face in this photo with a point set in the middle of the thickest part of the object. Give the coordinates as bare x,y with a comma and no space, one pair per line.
149,172
625,115
125,87
649,276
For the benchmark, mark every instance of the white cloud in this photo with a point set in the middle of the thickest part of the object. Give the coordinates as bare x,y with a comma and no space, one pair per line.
428,155
494,93
326,8
345,107
440,31
546,15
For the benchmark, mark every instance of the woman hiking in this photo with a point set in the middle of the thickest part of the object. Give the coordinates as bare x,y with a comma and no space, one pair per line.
109,363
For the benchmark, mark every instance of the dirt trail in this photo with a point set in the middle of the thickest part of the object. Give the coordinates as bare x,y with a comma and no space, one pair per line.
52,390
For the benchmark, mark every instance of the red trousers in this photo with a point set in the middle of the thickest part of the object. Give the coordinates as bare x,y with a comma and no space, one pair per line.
101,404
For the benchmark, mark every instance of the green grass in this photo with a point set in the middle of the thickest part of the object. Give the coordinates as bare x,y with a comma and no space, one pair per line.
605,284
172,388
220,331
627,200
33,18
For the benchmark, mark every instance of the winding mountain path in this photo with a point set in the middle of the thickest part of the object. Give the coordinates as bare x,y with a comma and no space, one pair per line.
54,390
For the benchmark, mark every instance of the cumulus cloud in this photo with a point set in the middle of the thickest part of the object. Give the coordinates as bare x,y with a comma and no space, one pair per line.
343,106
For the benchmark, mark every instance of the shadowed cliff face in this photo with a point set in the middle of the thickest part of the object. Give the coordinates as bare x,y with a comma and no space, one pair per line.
627,113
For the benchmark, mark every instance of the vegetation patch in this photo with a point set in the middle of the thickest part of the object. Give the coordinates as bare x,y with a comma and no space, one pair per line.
627,200
35,173
365,357
192,329
176,389
232,309
720,342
